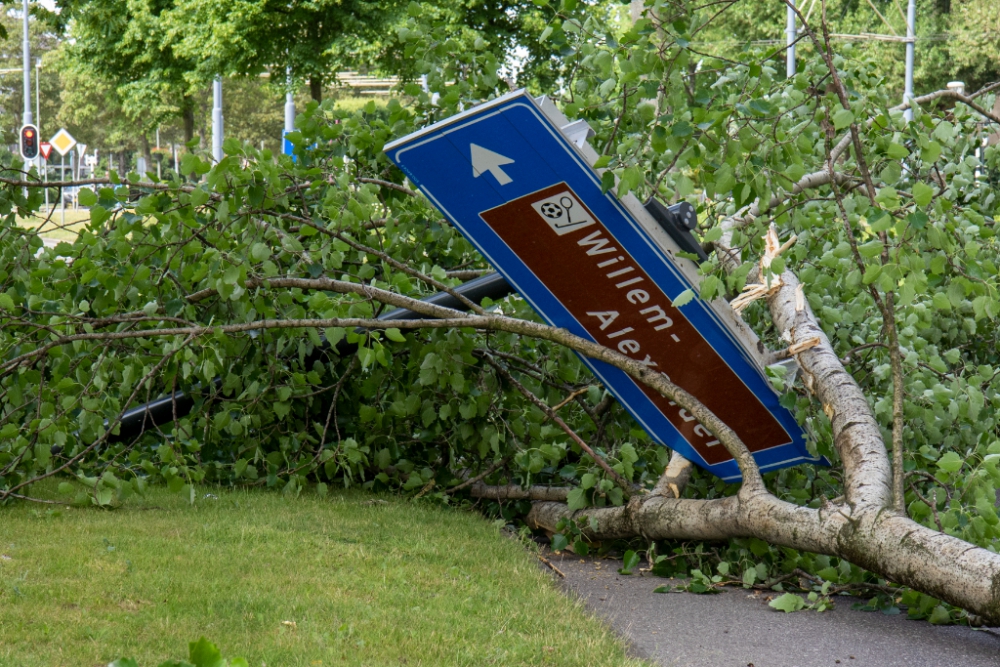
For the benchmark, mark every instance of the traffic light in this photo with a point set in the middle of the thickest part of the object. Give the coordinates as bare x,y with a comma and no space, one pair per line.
29,142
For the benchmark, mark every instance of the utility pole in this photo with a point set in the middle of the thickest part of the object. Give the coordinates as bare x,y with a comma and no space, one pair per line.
217,119
911,21
791,35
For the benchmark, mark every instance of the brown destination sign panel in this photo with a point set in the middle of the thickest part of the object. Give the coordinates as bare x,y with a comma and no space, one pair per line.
582,263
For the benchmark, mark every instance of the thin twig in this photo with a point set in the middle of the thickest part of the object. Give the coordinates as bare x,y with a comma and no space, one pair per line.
481,476
550,564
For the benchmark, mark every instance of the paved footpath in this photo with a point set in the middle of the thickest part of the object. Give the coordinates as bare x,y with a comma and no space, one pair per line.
738,629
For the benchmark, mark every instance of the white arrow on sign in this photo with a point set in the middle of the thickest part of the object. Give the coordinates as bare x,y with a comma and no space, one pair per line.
484,160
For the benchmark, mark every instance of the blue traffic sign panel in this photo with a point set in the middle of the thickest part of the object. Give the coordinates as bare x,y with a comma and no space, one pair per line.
510,179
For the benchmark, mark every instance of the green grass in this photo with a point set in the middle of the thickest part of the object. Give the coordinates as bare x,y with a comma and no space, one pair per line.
55,228
281,581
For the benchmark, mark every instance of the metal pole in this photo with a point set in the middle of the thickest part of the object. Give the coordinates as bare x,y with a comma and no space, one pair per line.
27,69
911,21
790,32
27,74
62,195
217,119
289,104
43,164
38,97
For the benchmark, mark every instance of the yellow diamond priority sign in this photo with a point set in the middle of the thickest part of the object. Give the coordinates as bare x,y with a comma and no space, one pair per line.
63,141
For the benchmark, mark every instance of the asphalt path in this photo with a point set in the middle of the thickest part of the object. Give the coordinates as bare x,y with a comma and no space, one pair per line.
737,628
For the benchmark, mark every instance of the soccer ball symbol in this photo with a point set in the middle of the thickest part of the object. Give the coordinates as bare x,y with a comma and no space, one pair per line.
551,210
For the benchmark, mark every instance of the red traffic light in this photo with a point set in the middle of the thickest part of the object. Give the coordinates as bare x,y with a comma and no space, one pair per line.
29,142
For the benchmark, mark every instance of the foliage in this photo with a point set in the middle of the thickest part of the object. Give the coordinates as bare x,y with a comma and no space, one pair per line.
416,412
246,37
129,46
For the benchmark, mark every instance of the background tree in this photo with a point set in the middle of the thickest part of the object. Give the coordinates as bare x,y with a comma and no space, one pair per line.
129,44
314,38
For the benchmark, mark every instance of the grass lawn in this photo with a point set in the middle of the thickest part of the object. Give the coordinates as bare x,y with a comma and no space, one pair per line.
342,580
55,229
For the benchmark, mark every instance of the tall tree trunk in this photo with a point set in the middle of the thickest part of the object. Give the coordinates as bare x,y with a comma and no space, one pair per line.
146,152
316,87
187,112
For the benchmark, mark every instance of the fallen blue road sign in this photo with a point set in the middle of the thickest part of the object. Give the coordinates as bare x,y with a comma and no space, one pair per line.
515,177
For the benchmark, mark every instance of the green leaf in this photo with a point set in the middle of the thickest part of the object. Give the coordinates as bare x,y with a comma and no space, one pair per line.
98,215
86,197
576,499
922,193
794,172
950,462
630,179
607,181
259,252
393,334
6,302
559,542
630,560
724,179
842,118
896,151
663,589
602,162
940,616
931,152
888,197
787,603
684,297
711,287
941,302
682,129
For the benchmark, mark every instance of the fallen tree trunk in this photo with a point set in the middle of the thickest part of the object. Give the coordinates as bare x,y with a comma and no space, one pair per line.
892,546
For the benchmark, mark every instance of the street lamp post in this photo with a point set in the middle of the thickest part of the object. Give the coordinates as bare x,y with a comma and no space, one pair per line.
27,70
911,22
217,119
